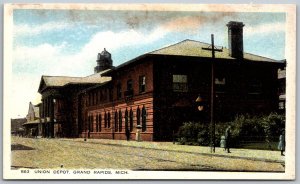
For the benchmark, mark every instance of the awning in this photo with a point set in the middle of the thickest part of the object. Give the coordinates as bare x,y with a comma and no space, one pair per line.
32,122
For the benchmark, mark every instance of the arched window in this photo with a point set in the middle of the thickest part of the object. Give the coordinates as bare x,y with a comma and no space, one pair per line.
100,122
120,120
131,119
91,123
108,119
105,120
99,97
144,117
116,121
88,123
97,123
119,91
138,116
94,99
126,119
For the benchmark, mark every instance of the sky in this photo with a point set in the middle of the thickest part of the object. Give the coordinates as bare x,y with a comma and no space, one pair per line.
66,42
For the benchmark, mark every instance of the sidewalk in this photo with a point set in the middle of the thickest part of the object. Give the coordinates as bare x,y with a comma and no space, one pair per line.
249,154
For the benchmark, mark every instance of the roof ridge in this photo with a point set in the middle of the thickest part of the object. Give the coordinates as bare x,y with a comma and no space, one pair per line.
171,45
185,40
59,76
261,56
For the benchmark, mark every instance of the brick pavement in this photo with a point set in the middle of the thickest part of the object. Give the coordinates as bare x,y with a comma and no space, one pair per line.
105,153
248,154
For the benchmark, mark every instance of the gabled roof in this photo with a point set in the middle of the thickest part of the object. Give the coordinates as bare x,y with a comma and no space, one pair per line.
33,112
59,81
194,48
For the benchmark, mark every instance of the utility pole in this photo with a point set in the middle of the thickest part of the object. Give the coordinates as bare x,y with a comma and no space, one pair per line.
212,94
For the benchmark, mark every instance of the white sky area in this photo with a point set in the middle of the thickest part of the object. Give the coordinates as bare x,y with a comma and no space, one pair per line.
66,42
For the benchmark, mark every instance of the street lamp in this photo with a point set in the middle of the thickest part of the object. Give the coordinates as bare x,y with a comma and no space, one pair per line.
200,107
199,103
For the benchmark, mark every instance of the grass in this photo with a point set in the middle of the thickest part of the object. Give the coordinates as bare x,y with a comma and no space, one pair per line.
260,145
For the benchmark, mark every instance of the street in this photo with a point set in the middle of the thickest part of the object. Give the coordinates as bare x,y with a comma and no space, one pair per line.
45,153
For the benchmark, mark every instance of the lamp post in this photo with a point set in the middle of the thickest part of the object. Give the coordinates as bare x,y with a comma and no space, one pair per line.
200,107
213,49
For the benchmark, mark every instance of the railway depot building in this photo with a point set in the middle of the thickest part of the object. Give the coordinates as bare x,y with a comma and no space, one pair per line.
156,91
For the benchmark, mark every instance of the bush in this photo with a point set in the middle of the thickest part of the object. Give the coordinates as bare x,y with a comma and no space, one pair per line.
251,129
273,125
244,129
192,133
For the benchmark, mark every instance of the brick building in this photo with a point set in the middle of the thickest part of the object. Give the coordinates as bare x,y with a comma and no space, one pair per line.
157,91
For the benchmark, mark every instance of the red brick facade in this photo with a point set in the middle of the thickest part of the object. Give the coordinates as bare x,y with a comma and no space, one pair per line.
108,115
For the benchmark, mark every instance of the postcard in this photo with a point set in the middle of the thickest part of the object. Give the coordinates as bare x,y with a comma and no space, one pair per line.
149,91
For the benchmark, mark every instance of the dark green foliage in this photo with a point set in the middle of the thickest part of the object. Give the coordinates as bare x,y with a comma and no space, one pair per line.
192,133
259,131
265,128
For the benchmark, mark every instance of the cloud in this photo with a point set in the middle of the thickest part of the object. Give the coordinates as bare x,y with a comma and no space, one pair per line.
112,40
29,63
192,22
26,29
23,91
264,28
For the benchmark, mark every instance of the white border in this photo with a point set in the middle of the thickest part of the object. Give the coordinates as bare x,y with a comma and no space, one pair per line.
290,104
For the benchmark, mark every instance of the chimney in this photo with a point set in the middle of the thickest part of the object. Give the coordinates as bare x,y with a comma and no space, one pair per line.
235,39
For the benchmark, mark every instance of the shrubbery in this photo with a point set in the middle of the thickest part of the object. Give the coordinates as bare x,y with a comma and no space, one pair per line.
192,133
244,129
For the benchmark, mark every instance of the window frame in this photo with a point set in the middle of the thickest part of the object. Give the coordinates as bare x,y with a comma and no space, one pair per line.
119,90
180,86
142,84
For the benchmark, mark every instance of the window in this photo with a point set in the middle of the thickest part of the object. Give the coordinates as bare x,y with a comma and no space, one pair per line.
131,119
88,123
90,99
99,122
180,83
220,85
99,96
142,84
119,91
105,120
129,85
104,95
116,121
138,116
281,105
91,123
129,92
126,119
94,99
254,87
110,94
144,117
108,119
281,88
120,120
